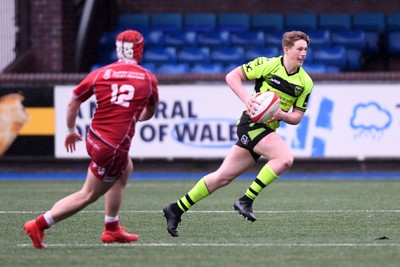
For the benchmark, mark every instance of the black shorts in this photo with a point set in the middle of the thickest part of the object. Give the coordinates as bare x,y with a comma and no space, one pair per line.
250,133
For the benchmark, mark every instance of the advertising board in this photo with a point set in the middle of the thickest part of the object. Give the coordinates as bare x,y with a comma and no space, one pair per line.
198,121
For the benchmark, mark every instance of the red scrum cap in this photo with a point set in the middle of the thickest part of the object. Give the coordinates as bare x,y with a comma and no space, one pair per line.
130,45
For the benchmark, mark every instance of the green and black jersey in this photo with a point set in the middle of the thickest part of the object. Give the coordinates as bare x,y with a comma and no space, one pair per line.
270,74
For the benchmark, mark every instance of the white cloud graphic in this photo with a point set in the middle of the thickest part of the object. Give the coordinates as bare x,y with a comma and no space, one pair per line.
370,116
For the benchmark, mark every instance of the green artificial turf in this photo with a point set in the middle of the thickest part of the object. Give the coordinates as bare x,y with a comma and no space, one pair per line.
299,223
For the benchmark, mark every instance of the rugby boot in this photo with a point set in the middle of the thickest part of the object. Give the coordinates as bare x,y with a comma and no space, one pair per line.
120,236
173,217
244,207
37,235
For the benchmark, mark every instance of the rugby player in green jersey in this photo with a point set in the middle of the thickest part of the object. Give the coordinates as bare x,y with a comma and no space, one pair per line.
284,75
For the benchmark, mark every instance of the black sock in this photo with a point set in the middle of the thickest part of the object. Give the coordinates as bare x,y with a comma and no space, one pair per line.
245,198
175,208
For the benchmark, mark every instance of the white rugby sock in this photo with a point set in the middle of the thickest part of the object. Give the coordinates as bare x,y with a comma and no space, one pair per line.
49,219
109,219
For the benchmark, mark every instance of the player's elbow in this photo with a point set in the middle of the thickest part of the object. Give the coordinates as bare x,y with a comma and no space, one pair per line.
296,121
234,75
147,113
295,117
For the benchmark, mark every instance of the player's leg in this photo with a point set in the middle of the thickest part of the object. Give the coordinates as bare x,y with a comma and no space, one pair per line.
114,196
113,232
236,162
92,189
279,158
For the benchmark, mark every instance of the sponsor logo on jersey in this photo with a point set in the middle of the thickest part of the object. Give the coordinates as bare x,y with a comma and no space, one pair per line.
107,74
276,81
248,68
298,90
244,139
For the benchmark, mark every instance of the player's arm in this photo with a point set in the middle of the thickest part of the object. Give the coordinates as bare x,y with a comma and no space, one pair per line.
151,107
72,135
72,113
292,118
298,110
235,80
147,113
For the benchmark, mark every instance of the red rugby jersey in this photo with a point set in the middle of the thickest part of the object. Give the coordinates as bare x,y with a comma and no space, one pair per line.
122,91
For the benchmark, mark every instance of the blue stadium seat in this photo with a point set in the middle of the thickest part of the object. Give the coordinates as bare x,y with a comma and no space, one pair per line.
154,38
194,55
374,26
393,43
331,56
229,67
239,21
180,39
310,54
247,39
228,55
273,39
267,22
114,56
204,22
173,68
311,68
150,66
159,55
335,21
354,59
349,39
96,66
107,40
393,21
207,68
303,21
166,21
319,38
213,39
133,21
373,42
369,21
253,53
333,69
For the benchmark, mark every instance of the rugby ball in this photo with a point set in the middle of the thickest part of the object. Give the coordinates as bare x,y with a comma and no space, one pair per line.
269,105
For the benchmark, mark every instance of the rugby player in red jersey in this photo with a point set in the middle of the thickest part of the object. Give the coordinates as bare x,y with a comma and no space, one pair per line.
126,93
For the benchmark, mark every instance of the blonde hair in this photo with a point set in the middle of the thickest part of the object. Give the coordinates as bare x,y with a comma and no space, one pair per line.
289,38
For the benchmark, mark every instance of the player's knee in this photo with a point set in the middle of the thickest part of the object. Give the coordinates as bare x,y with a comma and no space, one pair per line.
287,161
124,177
90,197
123,180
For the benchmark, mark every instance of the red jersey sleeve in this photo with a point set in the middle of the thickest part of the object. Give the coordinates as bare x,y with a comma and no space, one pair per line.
84,90
154,98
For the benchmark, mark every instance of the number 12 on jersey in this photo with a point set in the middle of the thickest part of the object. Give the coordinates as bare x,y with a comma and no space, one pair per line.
121,95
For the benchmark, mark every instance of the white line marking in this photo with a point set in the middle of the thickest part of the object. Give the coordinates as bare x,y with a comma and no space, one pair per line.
251,245
218,211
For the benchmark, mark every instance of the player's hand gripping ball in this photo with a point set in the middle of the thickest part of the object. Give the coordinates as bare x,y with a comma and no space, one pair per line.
269,105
